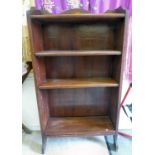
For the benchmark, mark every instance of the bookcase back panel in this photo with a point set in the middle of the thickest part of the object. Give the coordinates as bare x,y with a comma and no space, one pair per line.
81,36
114,105
79,102
79,67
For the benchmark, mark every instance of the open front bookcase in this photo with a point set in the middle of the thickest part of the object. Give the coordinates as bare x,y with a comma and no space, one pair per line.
78,61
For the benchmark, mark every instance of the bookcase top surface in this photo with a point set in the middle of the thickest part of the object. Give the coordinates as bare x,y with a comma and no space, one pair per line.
106,15
74,14
78,16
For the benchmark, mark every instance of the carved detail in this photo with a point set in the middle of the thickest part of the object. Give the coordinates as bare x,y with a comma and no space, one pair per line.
118,10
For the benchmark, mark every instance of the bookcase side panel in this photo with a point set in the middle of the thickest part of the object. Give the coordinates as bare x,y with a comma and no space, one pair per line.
118,71
35,32
122,66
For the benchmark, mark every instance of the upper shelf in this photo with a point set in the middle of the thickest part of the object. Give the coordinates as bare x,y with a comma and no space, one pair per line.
78,83
76,53
72,17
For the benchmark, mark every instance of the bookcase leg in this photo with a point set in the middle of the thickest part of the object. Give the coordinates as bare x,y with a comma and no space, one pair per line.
115,142
44,140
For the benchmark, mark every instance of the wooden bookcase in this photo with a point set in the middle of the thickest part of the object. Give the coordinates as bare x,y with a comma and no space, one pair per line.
78,61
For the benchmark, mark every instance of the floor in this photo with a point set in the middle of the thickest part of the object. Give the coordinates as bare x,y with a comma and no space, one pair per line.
97,145
64,146
124,144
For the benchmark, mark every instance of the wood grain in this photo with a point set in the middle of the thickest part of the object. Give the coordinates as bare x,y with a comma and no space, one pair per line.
78,83
79,102
81,36
77,17
80,67
74,126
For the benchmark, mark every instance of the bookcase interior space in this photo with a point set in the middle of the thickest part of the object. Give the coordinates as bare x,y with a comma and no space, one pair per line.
91,35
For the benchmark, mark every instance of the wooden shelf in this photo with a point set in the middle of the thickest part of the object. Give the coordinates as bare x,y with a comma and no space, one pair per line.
72,17
76,53
74,126
78,83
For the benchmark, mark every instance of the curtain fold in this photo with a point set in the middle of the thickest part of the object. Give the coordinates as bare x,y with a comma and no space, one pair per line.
93,6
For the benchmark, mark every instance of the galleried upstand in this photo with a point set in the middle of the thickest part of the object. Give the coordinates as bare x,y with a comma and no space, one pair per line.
78,60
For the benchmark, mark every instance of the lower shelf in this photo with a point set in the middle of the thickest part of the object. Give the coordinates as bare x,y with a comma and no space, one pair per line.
74,126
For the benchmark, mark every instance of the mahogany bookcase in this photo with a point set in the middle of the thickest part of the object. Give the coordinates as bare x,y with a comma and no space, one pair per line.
78,60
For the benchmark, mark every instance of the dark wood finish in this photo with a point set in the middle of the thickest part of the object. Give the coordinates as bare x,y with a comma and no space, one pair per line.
82,15
79,67
83,36
76,17
79,102
76,53
74,126
77,83
78,61
39,69
113,105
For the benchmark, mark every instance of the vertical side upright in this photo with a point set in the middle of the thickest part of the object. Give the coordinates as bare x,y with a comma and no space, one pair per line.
120,38
36,38
122,65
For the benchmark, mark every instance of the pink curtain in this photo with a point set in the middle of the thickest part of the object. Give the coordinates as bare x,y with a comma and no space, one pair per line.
128,66
94,6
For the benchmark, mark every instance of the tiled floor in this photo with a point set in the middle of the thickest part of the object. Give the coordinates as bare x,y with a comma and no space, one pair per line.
65,146
124,145
76,145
